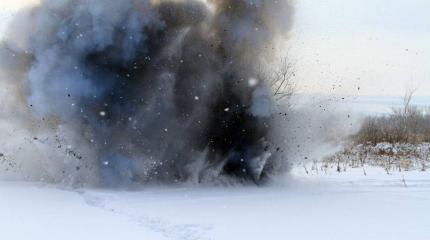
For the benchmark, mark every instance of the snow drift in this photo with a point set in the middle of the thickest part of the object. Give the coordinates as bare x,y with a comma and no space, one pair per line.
112,92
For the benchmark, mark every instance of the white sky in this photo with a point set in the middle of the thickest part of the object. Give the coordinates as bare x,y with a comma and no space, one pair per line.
12,5
381,46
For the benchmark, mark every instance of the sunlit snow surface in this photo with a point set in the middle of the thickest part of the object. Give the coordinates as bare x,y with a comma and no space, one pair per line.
316,206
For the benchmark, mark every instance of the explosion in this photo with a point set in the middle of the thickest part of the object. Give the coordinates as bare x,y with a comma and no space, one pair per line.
140,91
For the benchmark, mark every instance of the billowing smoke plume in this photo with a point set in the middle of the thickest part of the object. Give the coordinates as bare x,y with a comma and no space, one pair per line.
112,92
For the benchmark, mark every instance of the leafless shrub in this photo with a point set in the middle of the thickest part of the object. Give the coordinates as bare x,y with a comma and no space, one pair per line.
406,124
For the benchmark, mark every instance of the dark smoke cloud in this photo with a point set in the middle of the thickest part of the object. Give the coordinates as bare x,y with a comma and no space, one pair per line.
137,90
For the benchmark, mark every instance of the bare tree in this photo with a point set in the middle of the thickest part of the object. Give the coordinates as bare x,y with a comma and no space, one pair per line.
406,107
282,81
281,77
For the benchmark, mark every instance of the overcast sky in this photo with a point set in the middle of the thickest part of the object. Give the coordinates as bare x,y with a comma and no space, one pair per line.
356,47
379,46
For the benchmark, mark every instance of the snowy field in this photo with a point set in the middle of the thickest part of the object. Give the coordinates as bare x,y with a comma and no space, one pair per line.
303,206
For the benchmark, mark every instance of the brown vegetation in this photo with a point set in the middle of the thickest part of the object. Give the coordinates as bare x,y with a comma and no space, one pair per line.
406,124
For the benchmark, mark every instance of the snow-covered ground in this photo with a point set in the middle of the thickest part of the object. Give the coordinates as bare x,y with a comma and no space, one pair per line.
302,206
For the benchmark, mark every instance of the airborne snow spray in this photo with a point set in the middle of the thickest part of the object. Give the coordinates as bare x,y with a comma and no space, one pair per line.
113,92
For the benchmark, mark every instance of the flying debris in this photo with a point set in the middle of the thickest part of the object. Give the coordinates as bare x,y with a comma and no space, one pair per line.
154,90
